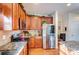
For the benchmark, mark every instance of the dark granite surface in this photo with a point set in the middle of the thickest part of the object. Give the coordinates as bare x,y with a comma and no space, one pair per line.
12,48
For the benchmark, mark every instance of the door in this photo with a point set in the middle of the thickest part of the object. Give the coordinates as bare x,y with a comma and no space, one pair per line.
73,28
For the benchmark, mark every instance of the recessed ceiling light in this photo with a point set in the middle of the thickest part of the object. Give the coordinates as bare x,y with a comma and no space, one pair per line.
68,4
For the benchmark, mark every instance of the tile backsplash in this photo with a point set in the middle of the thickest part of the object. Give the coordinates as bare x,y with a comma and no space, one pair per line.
34,32
5,37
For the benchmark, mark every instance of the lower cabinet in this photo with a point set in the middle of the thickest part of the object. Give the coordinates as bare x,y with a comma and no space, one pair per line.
38,42
24,51
35,42
32,42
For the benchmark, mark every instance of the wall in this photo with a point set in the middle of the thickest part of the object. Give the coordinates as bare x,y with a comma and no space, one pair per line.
62,22
55,16
5,37
68,20
73,27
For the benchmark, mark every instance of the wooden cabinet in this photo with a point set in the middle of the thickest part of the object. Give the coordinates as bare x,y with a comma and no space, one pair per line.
49,20
5,15
19,17
22,18
1,18
7,9
38,42
28,22
32,42
39,23
15,16
35,42
35,23
24,51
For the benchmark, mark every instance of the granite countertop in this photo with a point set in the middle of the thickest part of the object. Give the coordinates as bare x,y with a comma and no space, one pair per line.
71,45
12,48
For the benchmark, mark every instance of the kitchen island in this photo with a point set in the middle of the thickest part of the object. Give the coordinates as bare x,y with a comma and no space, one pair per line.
69,47
14,48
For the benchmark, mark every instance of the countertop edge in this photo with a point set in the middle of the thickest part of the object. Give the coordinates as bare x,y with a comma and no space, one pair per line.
21,49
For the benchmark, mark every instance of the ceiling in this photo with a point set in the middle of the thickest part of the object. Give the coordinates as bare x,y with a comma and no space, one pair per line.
48,8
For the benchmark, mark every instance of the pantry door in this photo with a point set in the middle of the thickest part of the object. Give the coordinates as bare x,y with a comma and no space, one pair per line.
73,28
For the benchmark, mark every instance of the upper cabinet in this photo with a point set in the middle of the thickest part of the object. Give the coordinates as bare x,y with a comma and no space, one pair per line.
28,22
23,19
15,16
49,20
19,17
6,16
39,23
34,23
7,9
1,18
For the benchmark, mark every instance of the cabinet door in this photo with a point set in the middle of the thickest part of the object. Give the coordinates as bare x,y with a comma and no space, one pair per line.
23,19
1,18
25,50
7,9
34,23
32,42
39,25
15,16
38,42
28,22
6,16
49,20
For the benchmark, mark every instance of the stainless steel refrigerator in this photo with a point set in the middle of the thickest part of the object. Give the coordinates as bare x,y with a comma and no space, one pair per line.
48,34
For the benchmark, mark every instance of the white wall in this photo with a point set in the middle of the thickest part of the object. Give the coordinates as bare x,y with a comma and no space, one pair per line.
55,19
62,22
65,20
73,27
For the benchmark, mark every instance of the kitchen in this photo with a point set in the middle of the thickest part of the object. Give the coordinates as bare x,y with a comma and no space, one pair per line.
21,32
39,29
